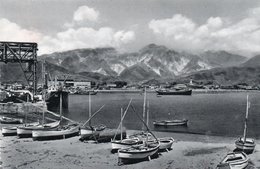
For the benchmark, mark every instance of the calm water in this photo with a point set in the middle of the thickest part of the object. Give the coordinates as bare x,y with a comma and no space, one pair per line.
212,114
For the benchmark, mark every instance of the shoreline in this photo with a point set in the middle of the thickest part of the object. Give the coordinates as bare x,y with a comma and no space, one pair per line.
188,151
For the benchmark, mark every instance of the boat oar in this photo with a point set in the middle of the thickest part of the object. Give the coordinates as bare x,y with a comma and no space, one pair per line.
93,115
123,118
144,123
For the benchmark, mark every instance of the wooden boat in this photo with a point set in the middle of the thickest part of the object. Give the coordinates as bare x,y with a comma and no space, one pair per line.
26,131
174,92
12,130
234,160
166,123
8,120
124,143
165,143
63,132
138,152
243,143
86,131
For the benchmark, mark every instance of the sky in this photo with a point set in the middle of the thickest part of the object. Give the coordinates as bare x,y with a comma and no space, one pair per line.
128,25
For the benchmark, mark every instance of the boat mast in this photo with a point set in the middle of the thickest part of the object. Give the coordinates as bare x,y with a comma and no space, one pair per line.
144,106
247,108
121,125
43,90
89,108
60,105
147,120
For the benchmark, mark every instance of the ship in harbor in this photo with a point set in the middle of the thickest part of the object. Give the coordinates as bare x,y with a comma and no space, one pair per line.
174,92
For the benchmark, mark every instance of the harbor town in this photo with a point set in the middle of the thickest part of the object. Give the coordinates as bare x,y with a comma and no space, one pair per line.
136,84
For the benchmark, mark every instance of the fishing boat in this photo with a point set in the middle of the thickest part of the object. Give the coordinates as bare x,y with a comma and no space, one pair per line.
123,143
63,132
138,152
174,92
26,131
165,143
243,143
8,120
234,160
176,122
12,130
91,129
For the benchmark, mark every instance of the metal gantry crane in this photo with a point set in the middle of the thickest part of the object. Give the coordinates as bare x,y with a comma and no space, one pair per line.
22,53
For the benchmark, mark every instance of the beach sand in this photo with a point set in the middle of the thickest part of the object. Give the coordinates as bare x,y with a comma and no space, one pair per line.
189,151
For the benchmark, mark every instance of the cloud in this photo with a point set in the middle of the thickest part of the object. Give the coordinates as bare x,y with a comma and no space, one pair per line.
83,37
85,13
242,37
10,31
86,38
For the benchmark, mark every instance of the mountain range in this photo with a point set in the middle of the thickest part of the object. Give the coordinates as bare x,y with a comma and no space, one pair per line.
151,62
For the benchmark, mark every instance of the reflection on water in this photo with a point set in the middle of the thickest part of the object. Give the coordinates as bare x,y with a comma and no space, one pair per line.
214,114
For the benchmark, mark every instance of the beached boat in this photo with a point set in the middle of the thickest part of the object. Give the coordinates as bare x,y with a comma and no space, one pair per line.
26,131
63,132
234,160
174,92
166,123
12,130
165,143
138,152
8,120
91,129
124,143
243,143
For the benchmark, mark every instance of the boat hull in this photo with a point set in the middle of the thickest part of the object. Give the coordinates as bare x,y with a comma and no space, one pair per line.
26,131
177,92
247,147
171,123
235,160
9,131
7,120
55,134
126,143
127,154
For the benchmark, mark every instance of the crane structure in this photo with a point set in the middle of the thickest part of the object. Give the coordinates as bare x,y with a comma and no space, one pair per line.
24,53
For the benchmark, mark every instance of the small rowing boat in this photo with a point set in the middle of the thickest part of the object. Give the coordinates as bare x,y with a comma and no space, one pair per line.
165,143
8,120
12,130
183,122
234,160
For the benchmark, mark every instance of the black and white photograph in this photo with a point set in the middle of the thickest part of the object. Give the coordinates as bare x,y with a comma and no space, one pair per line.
129,84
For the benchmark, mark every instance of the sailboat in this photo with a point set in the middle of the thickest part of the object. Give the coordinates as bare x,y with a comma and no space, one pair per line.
140,151
91,130
243,143
26,130
127,142
60,132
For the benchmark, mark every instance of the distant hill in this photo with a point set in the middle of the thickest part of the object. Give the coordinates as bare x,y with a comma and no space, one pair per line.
253,62
150,62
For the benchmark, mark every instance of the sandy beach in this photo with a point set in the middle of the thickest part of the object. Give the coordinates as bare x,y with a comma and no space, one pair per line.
188,151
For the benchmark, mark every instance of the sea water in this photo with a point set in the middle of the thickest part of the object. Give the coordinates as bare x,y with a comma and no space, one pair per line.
213,114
